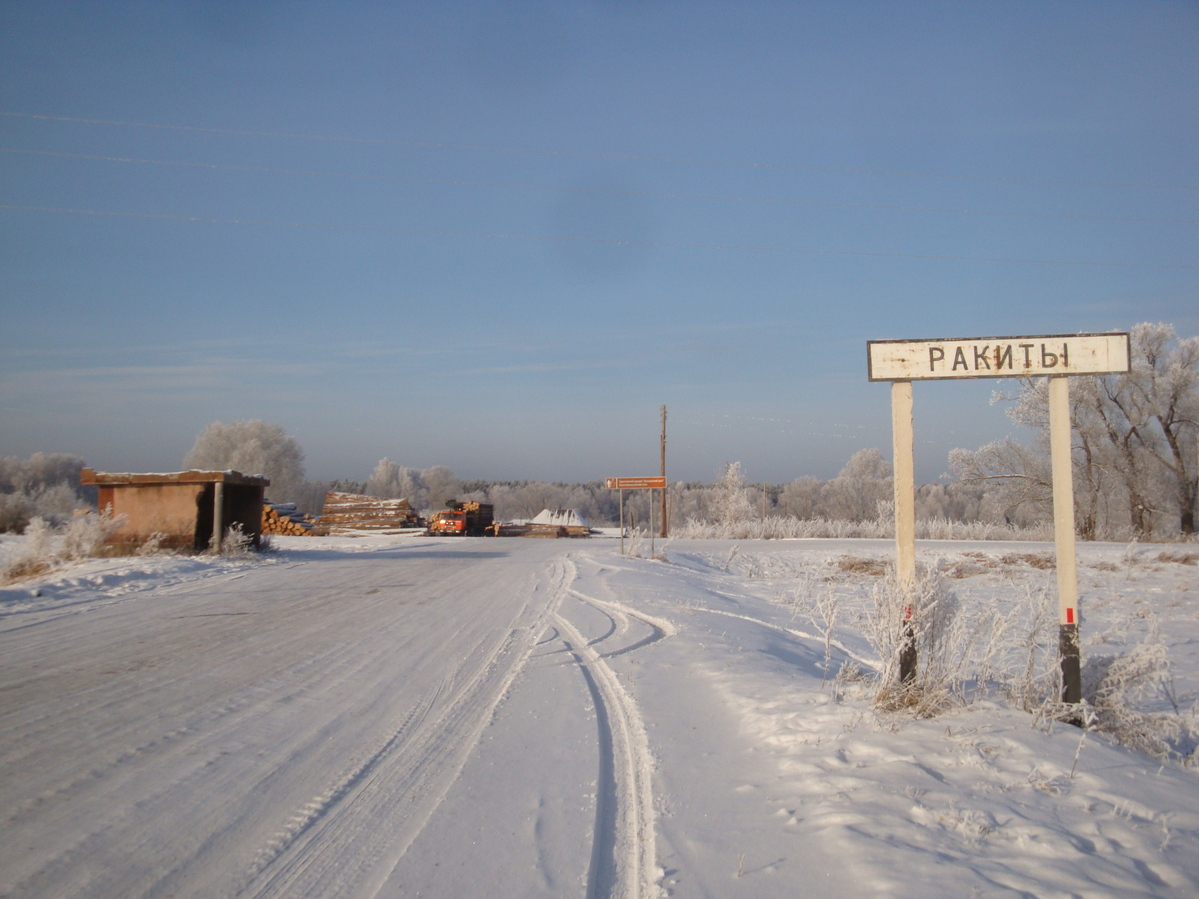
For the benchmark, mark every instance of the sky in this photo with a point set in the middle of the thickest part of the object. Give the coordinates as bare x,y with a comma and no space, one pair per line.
500,236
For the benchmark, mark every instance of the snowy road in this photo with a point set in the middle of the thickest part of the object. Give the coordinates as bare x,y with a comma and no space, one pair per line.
400,717
292,728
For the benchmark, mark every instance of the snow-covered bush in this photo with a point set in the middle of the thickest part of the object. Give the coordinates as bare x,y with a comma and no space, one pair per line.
235,542
879,528
1121,690
922,615
85,535
1128,696
16,512
46,485
152,544
45,548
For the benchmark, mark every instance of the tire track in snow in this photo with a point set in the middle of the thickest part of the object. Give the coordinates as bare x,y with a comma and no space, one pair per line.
349,839
660,628
624,857
804,635
320,805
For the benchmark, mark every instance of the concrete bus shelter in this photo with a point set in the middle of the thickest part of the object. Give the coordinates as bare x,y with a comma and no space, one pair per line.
182,506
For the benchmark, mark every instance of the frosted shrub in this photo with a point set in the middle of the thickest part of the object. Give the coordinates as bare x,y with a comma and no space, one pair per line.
38,538
790,527
824,615
16,510
1119,687
1037,675
84,535
924,615
635,545
236,542
1129,698
1007,647
152,544
44,549
35,557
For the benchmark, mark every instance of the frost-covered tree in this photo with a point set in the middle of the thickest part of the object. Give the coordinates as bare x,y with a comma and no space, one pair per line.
425,490
1134,439
801,498
39,471
1018,476
732,503
1159,402
46,485
391,481
440,486
856,493
251,447
384,480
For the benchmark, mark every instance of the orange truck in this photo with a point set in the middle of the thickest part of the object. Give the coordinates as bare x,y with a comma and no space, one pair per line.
469,519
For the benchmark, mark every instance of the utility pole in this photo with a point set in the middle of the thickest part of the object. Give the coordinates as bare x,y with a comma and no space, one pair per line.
662,517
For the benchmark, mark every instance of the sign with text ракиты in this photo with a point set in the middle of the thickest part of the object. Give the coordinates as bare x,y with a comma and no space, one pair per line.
1056,357
998,357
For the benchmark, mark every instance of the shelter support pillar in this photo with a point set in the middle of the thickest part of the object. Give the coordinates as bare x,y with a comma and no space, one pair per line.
218,514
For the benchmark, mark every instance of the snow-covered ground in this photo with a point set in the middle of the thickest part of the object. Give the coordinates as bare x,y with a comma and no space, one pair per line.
503,717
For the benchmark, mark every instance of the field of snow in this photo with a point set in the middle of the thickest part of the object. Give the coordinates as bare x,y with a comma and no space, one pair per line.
401,717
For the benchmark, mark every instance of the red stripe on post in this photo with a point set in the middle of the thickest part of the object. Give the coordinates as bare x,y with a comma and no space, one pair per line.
1069,616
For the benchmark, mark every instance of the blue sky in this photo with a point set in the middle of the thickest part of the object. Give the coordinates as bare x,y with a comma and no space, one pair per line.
499,236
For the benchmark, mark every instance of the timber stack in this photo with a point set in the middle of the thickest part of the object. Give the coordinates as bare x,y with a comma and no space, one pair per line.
286,520
348,513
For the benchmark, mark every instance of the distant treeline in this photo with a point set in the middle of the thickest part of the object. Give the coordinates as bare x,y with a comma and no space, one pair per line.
860,493
1135,459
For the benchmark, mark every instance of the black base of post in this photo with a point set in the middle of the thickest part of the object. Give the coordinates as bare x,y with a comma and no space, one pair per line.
1071,666
907,655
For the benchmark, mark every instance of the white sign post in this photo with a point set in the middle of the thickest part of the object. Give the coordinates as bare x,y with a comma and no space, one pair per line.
1056,357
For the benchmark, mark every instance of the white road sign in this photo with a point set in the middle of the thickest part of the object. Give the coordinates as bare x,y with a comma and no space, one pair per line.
998,357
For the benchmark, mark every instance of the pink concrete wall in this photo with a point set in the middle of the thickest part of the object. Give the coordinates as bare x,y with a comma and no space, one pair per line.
149,508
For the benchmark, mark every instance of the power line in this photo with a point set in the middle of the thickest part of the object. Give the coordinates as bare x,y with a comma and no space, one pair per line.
503,235
626,157
410,179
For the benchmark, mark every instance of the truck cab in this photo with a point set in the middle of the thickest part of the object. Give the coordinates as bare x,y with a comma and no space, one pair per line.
448,522
467,519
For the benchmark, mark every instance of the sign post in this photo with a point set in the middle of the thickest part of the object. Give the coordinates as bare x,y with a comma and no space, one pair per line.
1063,536
904,480
622,484
1055,357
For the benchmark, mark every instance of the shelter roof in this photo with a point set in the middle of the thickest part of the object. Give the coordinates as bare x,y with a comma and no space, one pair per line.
112,479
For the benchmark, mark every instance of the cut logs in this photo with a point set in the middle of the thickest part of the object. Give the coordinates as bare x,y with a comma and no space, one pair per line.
348,513
285,520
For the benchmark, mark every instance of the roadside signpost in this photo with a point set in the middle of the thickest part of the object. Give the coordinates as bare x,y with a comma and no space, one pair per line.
651,484
1056,357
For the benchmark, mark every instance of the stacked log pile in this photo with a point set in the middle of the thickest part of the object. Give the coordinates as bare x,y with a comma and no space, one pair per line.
347,513
284,519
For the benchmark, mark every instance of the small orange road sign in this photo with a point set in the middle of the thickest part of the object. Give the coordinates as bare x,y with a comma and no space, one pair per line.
635,483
